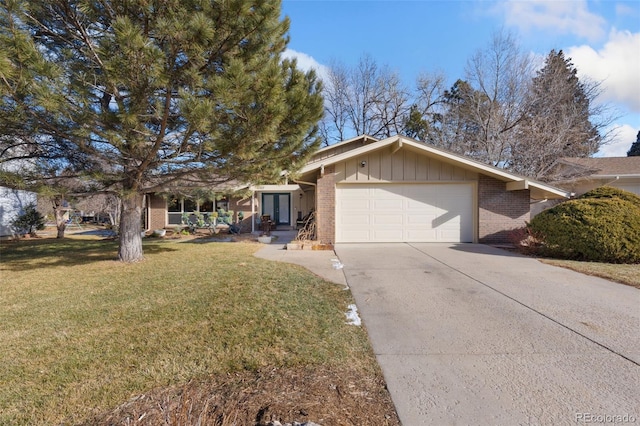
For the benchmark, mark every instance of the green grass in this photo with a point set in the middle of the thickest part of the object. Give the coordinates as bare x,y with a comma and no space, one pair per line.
628,274
81,333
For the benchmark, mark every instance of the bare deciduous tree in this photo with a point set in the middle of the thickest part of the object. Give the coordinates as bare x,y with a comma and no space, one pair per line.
366,99
104,203
500,75
425,114
336,97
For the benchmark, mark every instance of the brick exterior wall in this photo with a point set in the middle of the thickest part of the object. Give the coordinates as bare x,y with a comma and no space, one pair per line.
499,210
157,212
326,207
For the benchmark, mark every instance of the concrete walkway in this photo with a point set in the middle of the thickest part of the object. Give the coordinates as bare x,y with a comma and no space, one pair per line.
320,262
472,335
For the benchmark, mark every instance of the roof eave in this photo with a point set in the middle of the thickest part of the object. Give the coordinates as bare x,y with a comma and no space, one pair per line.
545,191
616,176
540,191
364,138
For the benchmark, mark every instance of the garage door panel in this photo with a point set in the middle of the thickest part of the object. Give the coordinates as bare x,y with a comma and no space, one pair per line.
357,204
359,220
404,213
381,219
354,234
418,220
421,205
387,191
390,205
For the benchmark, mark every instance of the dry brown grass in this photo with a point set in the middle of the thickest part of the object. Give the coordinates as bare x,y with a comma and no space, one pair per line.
81,334
622,273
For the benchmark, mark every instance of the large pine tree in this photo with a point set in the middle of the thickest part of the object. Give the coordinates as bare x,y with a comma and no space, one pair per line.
130,95
634,151
558,120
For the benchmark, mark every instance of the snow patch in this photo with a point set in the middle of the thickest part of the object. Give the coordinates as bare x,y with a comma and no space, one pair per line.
352,315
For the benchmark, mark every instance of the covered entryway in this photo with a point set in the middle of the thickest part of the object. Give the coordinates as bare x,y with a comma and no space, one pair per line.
405,212
278,207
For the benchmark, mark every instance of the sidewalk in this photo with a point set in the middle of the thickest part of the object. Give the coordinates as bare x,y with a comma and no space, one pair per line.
320,262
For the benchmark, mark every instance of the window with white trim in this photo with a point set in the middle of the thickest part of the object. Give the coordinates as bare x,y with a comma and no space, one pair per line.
176,207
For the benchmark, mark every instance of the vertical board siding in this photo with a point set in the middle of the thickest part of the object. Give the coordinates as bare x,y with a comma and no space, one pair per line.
374,167
403,166
410,166
397,166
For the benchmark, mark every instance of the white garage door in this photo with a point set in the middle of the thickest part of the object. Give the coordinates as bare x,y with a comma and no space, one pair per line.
404,213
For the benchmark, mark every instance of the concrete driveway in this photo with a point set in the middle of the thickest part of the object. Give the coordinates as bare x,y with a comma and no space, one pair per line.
469,334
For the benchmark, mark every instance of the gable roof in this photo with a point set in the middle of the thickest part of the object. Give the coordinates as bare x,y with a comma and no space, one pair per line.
514,182
604,167
343,146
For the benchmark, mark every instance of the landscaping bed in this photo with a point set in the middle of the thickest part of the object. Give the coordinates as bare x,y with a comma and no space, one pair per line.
323,396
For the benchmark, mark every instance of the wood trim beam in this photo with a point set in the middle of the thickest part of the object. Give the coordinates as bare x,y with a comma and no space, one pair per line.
518,185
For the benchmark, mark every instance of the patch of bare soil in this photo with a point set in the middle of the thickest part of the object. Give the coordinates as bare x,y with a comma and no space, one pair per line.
206,236
321,395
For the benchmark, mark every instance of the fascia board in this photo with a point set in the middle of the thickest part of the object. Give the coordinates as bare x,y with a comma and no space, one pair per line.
549,190
348,141
275,188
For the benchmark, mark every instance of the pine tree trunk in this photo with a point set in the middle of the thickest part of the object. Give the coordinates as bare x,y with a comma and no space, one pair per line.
130,249
59,211
61,223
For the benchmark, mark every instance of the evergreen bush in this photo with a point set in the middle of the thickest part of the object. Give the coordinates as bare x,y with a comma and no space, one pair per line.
598,227
608,192
28,222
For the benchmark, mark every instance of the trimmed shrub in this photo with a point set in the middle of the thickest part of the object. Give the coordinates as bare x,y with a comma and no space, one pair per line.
601,229
525,241
28,222
609,192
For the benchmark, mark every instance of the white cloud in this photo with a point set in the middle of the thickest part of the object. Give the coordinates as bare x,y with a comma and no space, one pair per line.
560,17
625,10
307,62
616,65
625,136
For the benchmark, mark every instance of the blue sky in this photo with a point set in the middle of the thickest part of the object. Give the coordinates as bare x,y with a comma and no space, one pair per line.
602,38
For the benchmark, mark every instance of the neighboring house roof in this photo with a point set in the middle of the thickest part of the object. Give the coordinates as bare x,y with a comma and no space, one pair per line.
601,167
514,182
187,183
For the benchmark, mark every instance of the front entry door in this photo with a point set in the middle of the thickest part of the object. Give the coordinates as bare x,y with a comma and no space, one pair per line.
278,206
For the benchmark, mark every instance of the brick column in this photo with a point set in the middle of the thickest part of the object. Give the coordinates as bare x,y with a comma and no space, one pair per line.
326,207
157,212
499,210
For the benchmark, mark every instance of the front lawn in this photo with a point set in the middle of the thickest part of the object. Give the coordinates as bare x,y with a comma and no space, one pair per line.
81,334
628,274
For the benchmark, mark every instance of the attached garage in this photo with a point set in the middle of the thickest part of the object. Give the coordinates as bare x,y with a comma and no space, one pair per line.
405,212
401,190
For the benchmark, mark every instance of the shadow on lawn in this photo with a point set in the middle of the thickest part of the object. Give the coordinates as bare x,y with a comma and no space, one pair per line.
49,252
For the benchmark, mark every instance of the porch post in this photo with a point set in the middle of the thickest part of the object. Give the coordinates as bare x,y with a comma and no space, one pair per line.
253,211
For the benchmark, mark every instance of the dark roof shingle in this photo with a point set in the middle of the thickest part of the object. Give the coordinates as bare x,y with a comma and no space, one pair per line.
605,166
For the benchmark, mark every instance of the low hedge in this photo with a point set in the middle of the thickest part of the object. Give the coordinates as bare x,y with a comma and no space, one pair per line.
599,227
